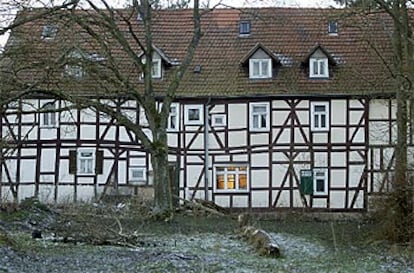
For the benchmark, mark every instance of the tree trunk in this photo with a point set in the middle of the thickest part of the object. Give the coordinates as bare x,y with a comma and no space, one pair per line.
162,188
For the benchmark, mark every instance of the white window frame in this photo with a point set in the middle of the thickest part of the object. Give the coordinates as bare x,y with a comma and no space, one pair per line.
319,117
187,117
156,69
320,173
81,169
156,72
244,28
333,27
218,120
49,32
263,74
48,116
319,62
74,71
174,118
142,180
226,172
253,115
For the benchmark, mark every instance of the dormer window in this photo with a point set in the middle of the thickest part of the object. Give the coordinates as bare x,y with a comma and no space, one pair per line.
156,71
333,27
260,68
73,67
49,32
318,68
244,28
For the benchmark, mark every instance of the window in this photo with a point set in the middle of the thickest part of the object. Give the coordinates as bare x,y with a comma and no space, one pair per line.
49,32
173,118
73,67
333,27
319,116
86,161
318,68
260,68
194,114
156,66
244,27
320,181
259,116
137,174
74,71
48,115
218,120
231,178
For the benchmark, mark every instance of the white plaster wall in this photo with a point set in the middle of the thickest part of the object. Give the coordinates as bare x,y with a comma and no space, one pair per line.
88,132
319,203
260,199
240,201
193,173
238,139
223,201
237,117
259,139
321,138
198,142
259,160
337,199
338,112
338,178
259,178
47,160
278,173
338,135
284,199
338,159
321,159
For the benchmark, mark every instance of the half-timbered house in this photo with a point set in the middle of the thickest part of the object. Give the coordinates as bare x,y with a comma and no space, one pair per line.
281,108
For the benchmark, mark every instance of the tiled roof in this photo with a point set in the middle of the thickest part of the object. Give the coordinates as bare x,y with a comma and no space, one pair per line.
361,51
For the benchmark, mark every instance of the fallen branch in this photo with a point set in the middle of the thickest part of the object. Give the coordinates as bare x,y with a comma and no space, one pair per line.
197,204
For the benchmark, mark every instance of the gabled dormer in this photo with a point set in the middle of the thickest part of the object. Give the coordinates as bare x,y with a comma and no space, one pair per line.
319,63
160,61
261,62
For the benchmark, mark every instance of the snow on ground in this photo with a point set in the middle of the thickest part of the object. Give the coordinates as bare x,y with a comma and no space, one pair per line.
203,252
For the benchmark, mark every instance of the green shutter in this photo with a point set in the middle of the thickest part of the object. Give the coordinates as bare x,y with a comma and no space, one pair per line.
72,162
306,182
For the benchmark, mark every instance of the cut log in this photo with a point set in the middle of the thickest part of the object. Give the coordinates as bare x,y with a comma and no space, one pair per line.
262,241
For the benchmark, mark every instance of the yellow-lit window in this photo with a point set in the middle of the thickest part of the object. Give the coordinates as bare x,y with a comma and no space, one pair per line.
231,178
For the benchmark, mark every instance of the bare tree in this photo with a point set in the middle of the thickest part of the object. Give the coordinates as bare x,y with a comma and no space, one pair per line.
122,50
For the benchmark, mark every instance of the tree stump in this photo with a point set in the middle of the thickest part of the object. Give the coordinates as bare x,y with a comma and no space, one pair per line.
262,241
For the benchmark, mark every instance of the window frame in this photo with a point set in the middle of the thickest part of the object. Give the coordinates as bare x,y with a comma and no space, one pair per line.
245,28
49,32
325,178
333,27
48,116
79,159
200,108
237,172
156,69
214,122
318,62
260,62
315,124
174,117
252,115
139,181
